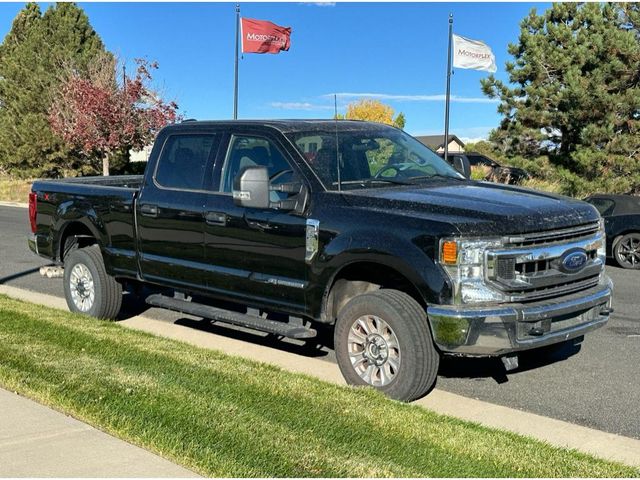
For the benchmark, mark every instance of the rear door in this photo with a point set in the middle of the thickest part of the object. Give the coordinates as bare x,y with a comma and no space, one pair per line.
170,210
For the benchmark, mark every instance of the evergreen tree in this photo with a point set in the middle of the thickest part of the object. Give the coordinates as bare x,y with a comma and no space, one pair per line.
31,58
576,94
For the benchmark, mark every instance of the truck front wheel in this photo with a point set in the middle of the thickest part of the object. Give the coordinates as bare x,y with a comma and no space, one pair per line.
87,287
382,340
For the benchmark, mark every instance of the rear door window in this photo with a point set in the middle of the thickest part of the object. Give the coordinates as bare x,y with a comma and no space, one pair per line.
184,160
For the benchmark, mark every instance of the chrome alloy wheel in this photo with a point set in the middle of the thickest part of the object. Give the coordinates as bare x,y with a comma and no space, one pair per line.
83,291
374,350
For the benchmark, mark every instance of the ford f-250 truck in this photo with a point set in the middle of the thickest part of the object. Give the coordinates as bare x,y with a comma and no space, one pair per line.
351,224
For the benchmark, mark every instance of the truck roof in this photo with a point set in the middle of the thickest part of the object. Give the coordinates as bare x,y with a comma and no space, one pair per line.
285,125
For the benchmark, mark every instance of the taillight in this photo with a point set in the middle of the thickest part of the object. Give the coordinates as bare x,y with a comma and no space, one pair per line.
33,210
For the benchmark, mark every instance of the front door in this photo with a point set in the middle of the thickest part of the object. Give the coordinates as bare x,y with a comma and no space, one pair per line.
258,254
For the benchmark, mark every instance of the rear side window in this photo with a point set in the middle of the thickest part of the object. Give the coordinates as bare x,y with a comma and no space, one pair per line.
183,161
603,205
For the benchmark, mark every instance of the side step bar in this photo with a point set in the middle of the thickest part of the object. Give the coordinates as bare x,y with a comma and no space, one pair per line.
226,316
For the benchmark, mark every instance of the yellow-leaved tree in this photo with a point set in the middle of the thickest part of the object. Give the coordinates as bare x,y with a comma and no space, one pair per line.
374,111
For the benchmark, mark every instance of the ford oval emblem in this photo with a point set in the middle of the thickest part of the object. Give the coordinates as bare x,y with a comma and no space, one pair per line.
573,261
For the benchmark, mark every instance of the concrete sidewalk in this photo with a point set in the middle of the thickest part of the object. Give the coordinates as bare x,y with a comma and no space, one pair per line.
36,441
555,432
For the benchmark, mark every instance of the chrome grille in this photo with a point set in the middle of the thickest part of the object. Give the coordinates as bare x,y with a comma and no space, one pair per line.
529,267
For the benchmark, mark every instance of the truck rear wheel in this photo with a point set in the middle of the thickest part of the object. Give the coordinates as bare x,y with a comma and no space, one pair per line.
87,287
382,340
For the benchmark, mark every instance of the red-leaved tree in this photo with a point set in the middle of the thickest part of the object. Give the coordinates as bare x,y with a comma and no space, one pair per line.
100,116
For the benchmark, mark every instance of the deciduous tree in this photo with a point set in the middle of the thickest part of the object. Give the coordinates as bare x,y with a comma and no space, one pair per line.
374,111
101,117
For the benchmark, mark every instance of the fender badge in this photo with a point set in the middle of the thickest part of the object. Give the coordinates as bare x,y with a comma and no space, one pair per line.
311,240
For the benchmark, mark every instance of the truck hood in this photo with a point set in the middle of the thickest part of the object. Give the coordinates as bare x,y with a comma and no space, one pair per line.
478,208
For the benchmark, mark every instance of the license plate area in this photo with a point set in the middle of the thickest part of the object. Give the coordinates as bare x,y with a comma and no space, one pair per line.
531,330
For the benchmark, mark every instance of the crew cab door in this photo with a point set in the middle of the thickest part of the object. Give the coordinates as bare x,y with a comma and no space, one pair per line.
258,255
170,210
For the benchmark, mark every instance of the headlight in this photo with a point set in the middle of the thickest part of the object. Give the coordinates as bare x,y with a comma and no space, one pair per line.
464,262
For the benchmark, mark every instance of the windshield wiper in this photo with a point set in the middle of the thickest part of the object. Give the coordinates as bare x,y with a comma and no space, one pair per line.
370,181
436,175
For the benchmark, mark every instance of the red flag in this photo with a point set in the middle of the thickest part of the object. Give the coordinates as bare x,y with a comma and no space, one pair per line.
260,36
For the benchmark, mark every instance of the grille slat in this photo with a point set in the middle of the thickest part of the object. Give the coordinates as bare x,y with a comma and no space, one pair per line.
551,237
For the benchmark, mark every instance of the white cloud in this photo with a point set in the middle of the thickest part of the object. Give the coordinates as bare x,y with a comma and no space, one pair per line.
472,140
299,106
412,98
319,4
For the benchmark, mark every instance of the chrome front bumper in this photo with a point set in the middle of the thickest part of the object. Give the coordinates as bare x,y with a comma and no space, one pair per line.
506,328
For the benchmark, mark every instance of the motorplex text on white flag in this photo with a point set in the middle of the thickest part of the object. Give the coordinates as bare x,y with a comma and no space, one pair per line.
472,54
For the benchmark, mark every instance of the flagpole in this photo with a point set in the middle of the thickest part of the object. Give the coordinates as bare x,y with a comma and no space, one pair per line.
235,83
448,98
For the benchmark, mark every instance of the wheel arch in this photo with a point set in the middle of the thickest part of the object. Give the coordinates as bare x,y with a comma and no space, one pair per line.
362,276
77,218
75,234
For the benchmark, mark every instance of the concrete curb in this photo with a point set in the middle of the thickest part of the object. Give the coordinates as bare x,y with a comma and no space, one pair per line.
14,204
555,432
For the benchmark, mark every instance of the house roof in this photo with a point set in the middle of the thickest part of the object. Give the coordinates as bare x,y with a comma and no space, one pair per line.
437,141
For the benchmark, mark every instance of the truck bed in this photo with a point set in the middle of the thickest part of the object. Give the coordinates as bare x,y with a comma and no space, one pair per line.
101,206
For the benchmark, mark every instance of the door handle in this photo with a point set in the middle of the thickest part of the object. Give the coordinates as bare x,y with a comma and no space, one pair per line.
262,226
216,218
149,210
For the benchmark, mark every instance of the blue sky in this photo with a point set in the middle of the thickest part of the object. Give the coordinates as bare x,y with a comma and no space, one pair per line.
394,50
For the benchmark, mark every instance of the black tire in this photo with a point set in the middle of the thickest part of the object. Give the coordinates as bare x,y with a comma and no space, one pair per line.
107,298
626,251
418,358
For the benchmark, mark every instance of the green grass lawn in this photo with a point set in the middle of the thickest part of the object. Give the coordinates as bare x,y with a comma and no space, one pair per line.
226,416
14,190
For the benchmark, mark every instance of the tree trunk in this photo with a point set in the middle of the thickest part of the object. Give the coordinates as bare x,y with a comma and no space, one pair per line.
105,165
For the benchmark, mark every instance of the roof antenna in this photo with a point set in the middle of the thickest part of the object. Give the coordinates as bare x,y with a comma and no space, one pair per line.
338,157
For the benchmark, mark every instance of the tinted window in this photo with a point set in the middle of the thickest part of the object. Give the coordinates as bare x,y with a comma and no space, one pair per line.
246,151
603,205
184,160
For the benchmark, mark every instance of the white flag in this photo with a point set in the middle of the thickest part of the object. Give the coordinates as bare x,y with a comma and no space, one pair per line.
473,54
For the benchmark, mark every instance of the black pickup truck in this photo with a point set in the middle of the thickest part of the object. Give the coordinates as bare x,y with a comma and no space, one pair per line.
355,225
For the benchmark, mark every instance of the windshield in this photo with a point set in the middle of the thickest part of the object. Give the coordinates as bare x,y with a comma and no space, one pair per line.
370,157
